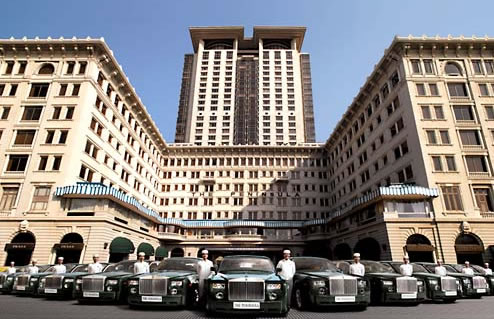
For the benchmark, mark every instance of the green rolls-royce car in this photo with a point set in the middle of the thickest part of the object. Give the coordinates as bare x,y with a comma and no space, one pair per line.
470,288
29,284
246,285
110,285
388,286
61,285
174,283
318,282
477,279
489,278
438,288
7,280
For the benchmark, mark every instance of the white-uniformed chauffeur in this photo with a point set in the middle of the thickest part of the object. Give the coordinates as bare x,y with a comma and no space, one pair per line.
11,269
440,269
33,269
406,269
467,270
356,268
95,267
487,269
60,267
287,271
203,270
140,266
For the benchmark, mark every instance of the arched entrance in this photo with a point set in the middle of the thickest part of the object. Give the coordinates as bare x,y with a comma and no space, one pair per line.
419,248
469,248
177,252
147,249
120,248
342,252
20,249
70,248
368,248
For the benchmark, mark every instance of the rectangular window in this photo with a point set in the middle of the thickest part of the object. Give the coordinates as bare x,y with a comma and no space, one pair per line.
476,164
452,197
76,89
17,163
5,113
32,113
40,198
24,137
415,66
70,67
10,67
489,66
56,112
489,112
450,163
444,137
2,89
39,90
470,138
13,89
57,161
9,197
477,67
63,137
438,110
431,137
437,163
463,112
43,161
63,89
22,67
421,89
457,90
433,89
426,112
428,67
484,91
70,113
483,198
82,67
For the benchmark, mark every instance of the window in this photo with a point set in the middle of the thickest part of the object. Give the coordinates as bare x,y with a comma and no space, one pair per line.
452,197
428,67
75,89
477,67
483,198
40,198
426,112
438,110
450,163
2,89
43,161
489,66
431,137
82,67
437,163
39,90
24,137
17,163
421,89
63,137
46,69
5,113
452,69
9,197
32,113
86,173
415,66
477,164
433,89
484,91
470,138
70,67
444,134
457,90
63,89
49,136
489,112
70,113
463,112
57,161
397,127
401,150
10,67
56,112
22,67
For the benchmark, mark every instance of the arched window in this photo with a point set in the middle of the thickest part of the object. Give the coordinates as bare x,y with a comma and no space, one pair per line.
47,69
452,69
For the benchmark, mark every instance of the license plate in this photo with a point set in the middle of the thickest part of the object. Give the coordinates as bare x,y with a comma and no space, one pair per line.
409,296
246,305
152,299
450,293
20,288
50,291
481,290
344,299
90,294
1,286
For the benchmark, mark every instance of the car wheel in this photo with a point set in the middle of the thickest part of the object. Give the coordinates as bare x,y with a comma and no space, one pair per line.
299,299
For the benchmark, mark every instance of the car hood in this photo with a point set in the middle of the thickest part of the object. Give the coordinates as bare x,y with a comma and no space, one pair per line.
323,274
264,276
116,274
426,274
383,275
166,274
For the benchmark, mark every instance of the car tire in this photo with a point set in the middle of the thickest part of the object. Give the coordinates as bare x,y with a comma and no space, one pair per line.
300,299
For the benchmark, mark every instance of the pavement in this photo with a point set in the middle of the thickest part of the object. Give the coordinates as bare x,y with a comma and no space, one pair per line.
17,307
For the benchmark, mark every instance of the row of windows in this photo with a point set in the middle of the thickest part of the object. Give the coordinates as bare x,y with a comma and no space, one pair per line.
19,68
451,68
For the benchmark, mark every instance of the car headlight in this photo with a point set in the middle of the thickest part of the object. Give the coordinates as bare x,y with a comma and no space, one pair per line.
420,283
220,295
9,278
112,282
362,283
78,281
133,282
272,296
177,283
69,280
318,283
133,290
43,280
273,286
387,282
433,281
34,279
466,280
217,285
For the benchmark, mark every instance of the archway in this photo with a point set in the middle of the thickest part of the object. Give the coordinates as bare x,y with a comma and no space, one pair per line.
368,248
20,249
469,248
147,249
120,248
342,252
70,248
177,252
419,248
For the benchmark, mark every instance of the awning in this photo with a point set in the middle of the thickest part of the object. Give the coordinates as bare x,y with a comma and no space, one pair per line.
121,245
146,249
469,249
161,252
419,247
23,246
69,246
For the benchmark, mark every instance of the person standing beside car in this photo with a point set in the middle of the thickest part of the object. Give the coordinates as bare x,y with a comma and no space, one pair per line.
467,270
140,266
487,269
440,269
60,267
406,269
95,267
11,270
33,269
356,268
287,270
203,270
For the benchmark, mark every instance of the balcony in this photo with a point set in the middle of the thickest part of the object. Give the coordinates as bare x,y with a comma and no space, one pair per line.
479,174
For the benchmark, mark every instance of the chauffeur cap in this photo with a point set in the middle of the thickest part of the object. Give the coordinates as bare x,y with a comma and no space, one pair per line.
286,251
204,251
142,254
356,255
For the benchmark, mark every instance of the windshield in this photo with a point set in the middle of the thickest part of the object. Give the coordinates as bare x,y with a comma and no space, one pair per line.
43,268
123,266
69,267
458,268
478,269
246,264
184,264
373,266
80,268
450,269
314,264
418,268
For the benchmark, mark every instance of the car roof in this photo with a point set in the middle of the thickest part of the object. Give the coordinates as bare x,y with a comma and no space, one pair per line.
309,257
245,256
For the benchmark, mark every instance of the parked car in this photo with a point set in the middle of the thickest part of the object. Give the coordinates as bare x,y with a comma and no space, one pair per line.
174,283
387,286
7,280
438,288
477,281
110,285
489,278
470,288
153,266
318,282
246,284
61,285
29,284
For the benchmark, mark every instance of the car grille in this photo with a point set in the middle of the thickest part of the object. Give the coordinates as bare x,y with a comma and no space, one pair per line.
406,285
343,286
479,282
53,281
246,290
2,278
93,283
23,280
153,286
448,284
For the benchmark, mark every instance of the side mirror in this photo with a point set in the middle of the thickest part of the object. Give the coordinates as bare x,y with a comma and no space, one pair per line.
278,270
339,270
213,269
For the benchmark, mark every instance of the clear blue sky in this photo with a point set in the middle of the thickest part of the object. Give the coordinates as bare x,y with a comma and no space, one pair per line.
149,38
